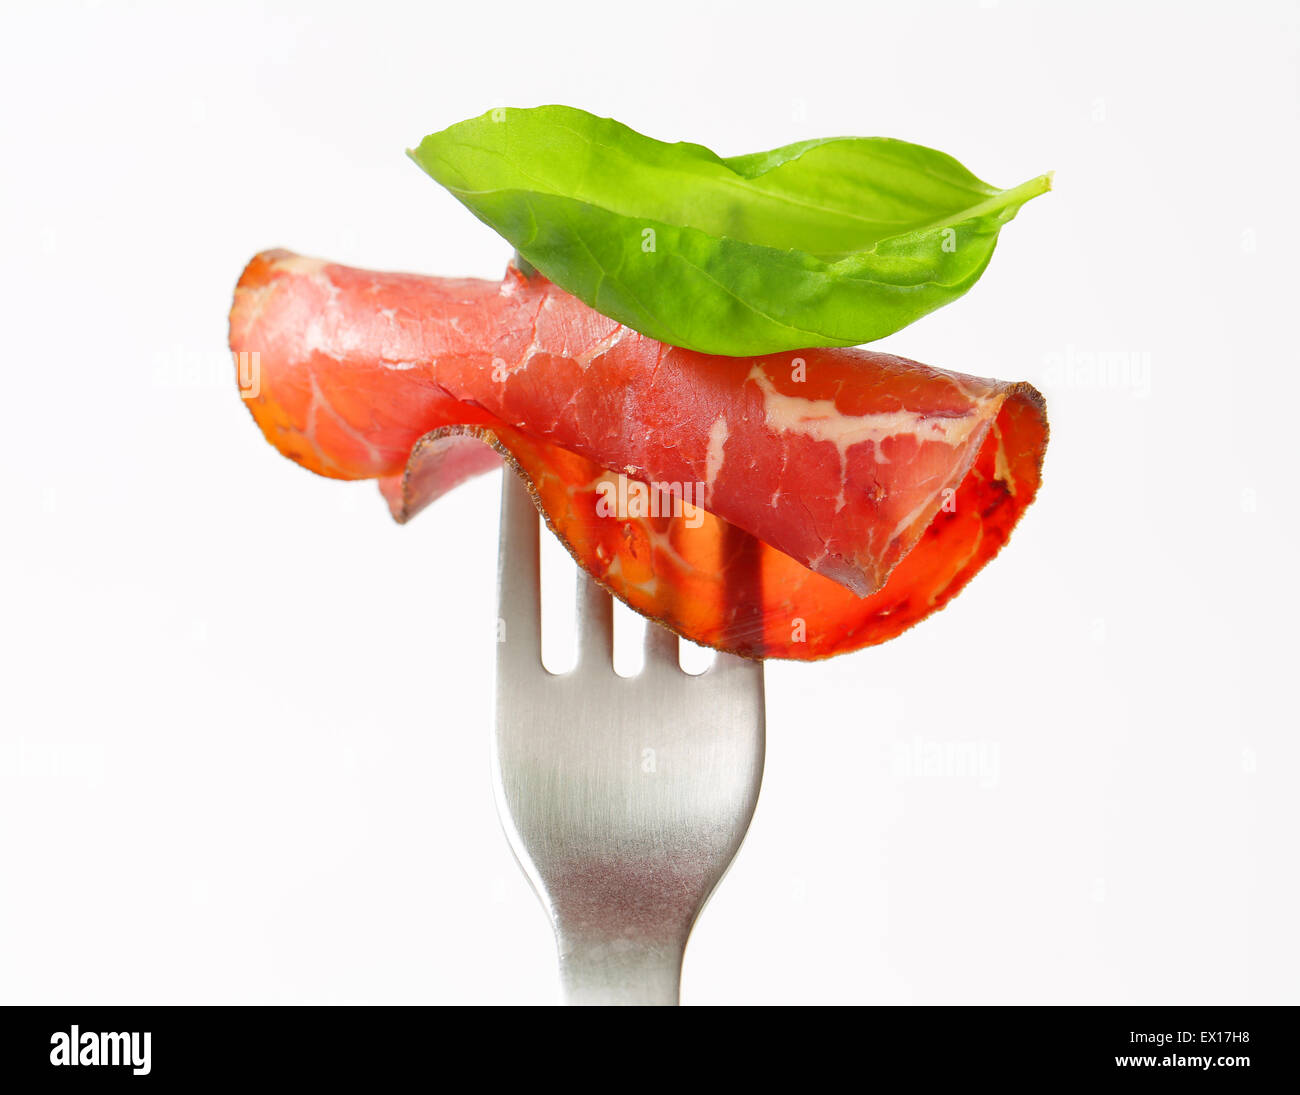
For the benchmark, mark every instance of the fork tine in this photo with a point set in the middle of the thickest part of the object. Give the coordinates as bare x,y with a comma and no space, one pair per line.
660,647
734,665
595,623
519,642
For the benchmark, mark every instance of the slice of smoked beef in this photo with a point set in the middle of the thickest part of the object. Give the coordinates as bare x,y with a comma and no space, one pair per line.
795,505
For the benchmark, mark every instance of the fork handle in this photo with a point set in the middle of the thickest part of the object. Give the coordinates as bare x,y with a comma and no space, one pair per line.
626,972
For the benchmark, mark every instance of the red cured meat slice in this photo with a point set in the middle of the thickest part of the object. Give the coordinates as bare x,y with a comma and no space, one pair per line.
795,505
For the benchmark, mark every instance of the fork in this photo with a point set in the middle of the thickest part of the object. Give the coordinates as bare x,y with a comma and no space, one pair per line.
624,799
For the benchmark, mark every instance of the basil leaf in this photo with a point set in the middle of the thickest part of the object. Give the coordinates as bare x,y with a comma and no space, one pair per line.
821,243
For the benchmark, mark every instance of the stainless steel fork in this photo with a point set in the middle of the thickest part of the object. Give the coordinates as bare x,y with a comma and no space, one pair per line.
625,800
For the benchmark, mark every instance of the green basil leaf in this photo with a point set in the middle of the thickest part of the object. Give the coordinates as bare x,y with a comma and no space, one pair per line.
821,243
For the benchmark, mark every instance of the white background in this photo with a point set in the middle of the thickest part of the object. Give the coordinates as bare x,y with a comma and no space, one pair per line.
244,751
